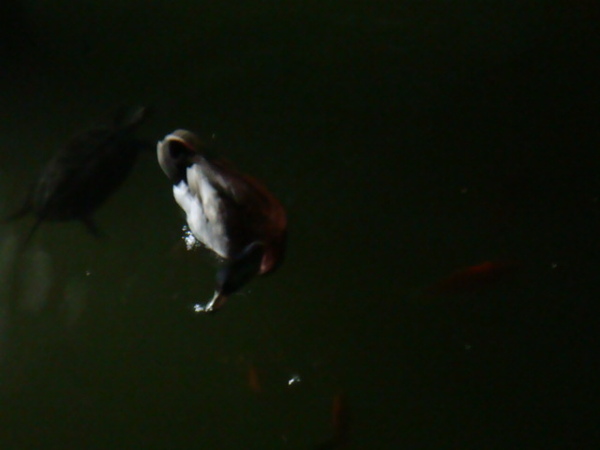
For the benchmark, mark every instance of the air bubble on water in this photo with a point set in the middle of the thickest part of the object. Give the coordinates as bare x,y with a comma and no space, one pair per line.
295,379
188,237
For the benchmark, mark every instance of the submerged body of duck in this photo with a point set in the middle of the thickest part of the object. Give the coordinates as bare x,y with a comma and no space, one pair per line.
231,213
84,173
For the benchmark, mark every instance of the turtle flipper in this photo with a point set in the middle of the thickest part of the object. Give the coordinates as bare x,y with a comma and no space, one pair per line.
36,225
91,226
25,209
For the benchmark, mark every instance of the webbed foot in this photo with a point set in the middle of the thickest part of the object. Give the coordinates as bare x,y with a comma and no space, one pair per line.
213,305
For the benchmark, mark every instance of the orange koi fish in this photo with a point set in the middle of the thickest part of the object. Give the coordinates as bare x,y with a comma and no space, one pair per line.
475,279
254,380
340,420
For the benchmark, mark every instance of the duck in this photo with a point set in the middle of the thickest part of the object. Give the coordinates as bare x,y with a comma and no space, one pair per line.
84,173
230,213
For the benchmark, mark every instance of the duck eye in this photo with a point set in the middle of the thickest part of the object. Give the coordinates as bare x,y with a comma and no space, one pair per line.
177,149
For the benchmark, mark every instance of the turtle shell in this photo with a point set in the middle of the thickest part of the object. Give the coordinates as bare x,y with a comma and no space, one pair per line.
84,173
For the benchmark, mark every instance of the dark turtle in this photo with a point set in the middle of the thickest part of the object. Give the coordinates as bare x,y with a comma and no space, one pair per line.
231,213
83,174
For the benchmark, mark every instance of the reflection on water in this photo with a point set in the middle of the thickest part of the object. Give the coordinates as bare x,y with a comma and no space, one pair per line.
34,280
31,286
34,290
74,300
8,247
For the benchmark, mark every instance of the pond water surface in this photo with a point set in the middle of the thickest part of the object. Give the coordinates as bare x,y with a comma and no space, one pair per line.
407,140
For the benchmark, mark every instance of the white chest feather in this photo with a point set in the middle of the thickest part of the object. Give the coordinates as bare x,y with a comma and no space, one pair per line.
204,210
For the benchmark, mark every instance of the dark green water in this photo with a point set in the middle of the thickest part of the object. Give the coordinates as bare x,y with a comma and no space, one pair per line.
405,139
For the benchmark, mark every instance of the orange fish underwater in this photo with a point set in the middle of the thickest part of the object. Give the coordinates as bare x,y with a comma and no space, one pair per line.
474,279
254,379
340,421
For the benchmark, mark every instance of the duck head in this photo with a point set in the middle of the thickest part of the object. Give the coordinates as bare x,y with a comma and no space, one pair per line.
176,152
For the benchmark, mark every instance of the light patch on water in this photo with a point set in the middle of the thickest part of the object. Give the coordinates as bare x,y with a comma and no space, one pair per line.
3,331
35,276
8,251
27,278
74,301
294,379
